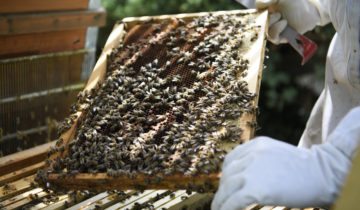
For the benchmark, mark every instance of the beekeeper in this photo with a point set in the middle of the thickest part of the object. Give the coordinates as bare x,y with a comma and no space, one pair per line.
270,172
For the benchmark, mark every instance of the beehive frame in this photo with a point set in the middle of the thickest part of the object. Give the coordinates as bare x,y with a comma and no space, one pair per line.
100,181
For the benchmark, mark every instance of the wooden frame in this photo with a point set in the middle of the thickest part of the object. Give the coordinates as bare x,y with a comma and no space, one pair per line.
56,21
101,181
21,6
41,43
22,159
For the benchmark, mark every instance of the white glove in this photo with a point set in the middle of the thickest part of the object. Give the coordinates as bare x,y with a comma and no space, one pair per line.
271,172
299,14
276,27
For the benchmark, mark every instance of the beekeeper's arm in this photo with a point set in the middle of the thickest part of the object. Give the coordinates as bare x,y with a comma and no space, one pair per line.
302,15
270,172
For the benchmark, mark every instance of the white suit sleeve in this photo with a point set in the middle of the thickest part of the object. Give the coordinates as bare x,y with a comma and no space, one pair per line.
304,15
349,32
346,136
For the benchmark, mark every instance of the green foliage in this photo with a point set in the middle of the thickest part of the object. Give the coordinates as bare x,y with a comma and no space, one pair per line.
285,103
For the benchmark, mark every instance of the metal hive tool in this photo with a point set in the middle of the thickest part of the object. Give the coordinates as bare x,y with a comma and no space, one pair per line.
166,105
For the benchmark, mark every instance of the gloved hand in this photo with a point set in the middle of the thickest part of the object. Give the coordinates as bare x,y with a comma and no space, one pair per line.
271,172
276,27
299,14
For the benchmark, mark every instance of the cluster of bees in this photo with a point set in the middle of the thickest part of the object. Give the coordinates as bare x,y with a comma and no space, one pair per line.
172,96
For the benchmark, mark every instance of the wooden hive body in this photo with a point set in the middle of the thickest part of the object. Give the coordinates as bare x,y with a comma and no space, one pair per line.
44,54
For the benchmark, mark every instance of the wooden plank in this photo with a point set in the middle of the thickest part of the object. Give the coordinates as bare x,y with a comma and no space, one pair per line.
16,187
21,204
160,203
193,201
284,208
98,74
21,6
132,21
63,201
94,201
266,208
101,182
104,201
56,21
255,55
60,199
176,200
20,197
132,199
21,173
24,158
87,203
41,43
253,206
142,200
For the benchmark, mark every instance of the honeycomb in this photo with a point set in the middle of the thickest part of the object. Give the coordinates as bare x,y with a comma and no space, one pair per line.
171,97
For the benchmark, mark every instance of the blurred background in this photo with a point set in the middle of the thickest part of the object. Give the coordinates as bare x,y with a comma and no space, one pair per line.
43,67
288,90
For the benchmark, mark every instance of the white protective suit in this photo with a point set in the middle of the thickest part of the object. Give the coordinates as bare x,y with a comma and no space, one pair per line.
271,172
